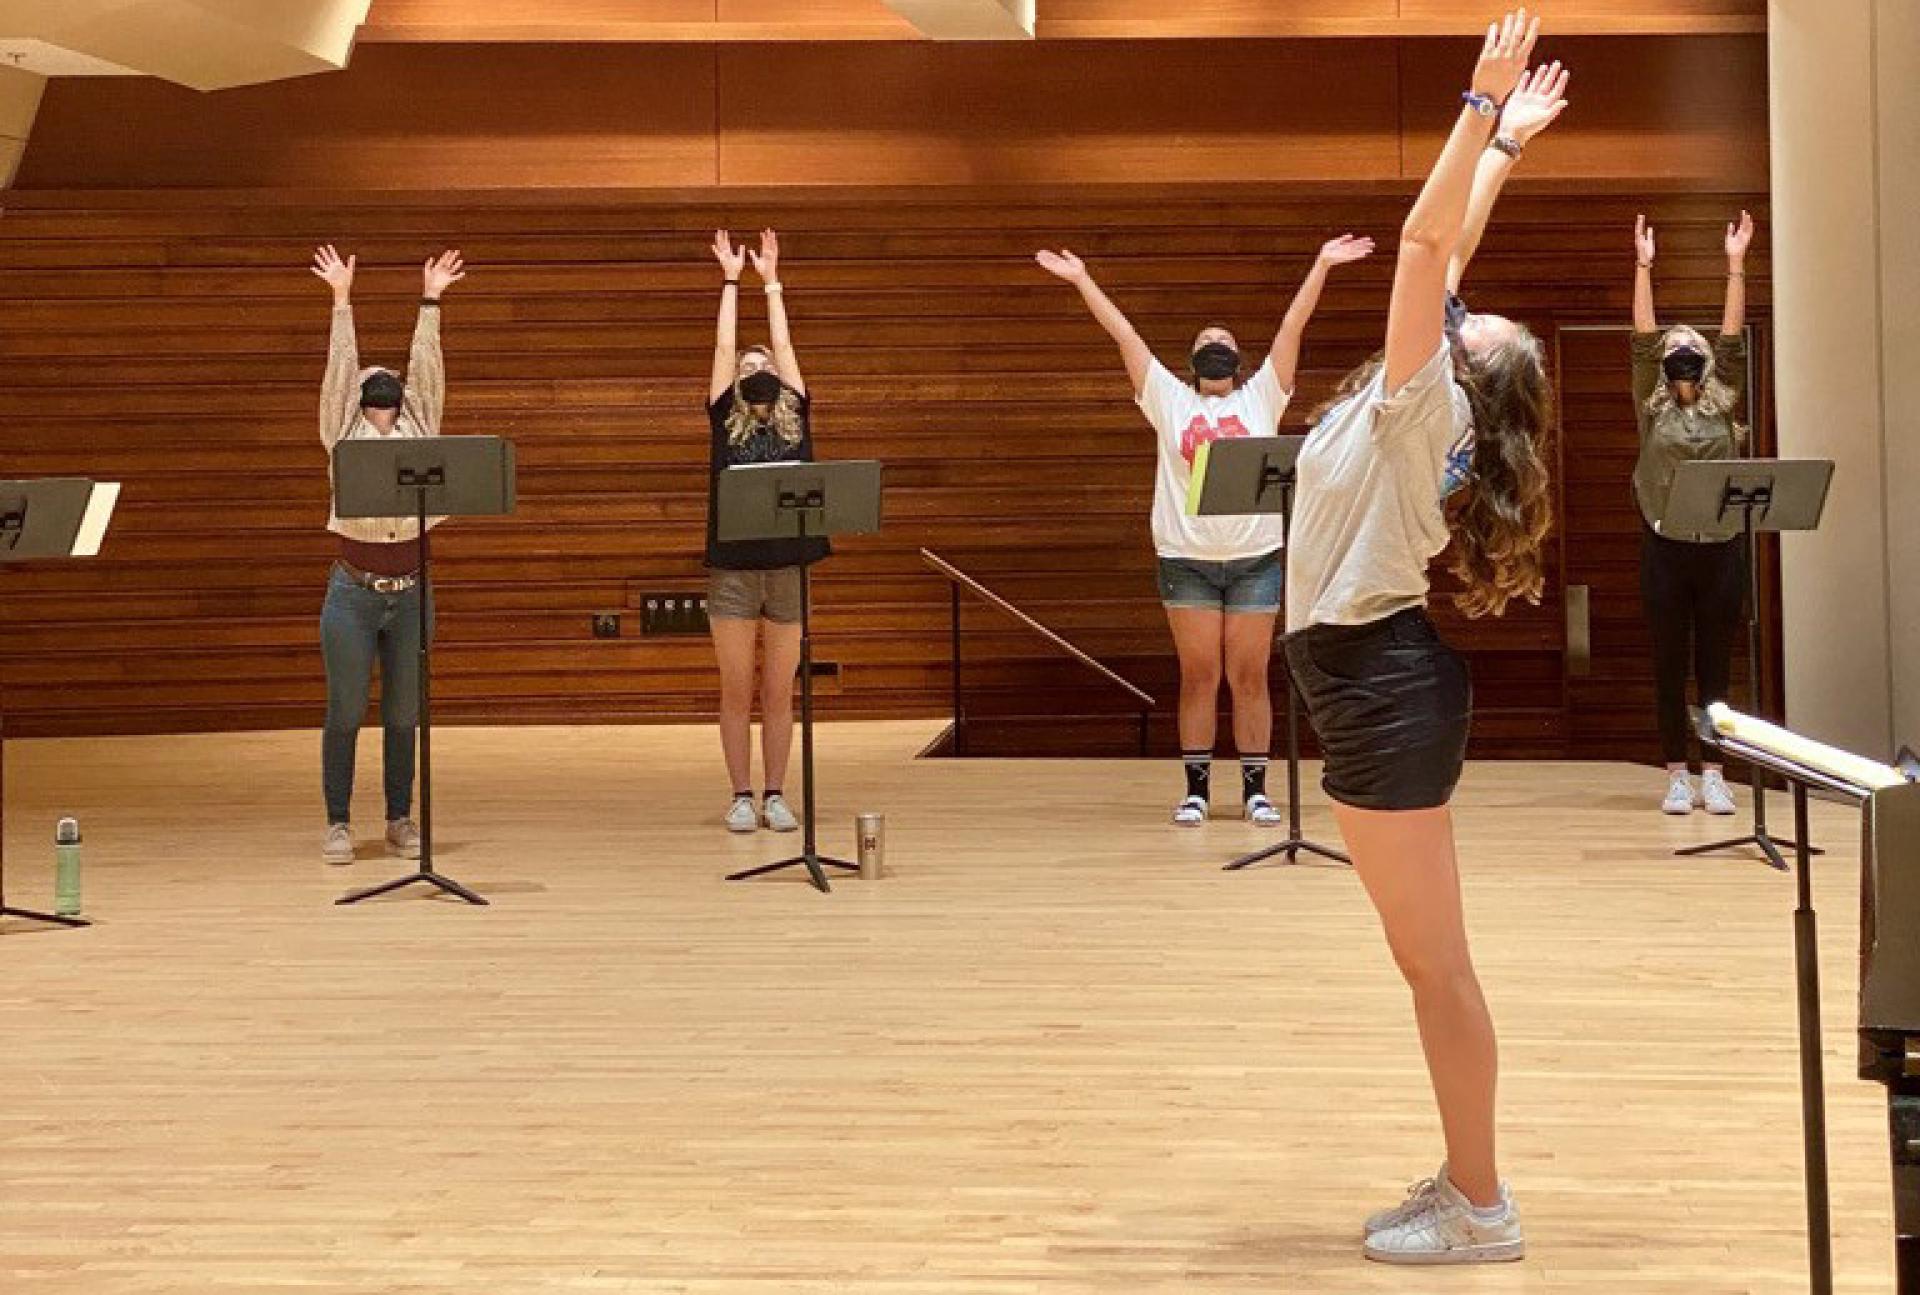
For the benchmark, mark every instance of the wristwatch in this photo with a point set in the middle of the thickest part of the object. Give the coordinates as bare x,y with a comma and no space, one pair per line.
1507,144
1481,103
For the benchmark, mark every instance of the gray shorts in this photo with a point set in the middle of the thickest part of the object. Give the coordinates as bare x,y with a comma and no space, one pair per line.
754,595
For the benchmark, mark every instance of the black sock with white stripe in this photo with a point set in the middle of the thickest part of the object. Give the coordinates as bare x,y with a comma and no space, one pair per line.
1253,776
1199,773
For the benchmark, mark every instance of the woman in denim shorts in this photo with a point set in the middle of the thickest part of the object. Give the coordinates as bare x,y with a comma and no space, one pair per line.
1220,577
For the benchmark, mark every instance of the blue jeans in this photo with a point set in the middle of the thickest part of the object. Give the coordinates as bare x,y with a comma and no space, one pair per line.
357,626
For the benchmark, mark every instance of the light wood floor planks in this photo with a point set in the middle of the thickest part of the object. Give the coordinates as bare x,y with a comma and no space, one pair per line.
1058,1051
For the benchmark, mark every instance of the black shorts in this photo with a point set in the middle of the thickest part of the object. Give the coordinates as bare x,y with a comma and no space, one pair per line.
1392,704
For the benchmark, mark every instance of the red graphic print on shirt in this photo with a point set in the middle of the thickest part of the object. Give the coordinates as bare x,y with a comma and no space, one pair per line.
1200,432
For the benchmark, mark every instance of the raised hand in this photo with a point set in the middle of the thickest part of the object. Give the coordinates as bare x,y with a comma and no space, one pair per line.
1503,58
766,261
1345,249
732,259
1063,265
442,272
1643,240
1739,236
1539,98
338,274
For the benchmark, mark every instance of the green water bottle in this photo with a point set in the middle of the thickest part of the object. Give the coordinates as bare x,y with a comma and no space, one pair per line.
66,868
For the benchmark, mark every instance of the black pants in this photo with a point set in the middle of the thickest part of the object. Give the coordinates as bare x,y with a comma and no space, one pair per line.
1693,595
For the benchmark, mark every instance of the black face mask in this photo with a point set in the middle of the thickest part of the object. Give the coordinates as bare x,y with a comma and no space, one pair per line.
1216,360
1684,364
761,387
381,391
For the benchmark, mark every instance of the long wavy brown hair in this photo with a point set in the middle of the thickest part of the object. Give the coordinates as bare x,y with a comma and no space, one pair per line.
1501,520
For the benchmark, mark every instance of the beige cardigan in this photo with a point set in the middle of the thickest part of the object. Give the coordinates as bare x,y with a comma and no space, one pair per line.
341,419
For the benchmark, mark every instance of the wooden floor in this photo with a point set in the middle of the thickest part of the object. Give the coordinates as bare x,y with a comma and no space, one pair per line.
1058,1051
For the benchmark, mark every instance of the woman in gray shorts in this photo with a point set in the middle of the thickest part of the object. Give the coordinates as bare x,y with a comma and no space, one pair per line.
757,409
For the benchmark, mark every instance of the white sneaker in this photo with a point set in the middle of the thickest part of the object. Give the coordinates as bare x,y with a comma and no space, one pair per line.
1417,1197
1679,794
777,816
1446,1229
1715,794
403,838
742,816
338,847
1191,812
1260,812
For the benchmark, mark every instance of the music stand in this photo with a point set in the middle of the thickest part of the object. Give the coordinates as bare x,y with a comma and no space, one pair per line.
779,501
1725,498
1240,477
55,518
418,478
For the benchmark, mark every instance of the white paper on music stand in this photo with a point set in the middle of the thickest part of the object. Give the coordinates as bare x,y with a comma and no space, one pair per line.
93,526
1831,760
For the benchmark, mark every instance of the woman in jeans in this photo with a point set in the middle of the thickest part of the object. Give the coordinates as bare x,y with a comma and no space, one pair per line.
758,411
372,611
1220,577
1685,391
1391,702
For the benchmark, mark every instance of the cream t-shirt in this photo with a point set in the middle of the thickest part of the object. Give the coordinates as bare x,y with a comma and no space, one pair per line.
1367,515
1184,421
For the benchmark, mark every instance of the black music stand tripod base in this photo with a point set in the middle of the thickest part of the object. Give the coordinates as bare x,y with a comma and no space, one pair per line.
1248,477
1292,848
53,919
1739,498
815,864
425,876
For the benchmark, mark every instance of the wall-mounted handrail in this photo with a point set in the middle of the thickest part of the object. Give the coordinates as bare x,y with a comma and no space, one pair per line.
959,580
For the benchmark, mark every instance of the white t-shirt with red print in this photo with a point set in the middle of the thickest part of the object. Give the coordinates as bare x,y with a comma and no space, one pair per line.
1186,420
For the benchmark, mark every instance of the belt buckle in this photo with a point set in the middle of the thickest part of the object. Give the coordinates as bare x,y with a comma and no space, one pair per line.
390,584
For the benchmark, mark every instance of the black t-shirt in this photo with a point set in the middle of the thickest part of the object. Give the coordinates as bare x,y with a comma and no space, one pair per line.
763,445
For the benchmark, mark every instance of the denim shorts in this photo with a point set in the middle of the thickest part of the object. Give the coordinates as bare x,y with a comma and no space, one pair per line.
1245,585
1391,703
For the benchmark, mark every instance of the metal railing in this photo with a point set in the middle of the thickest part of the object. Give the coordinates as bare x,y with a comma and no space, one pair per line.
959,580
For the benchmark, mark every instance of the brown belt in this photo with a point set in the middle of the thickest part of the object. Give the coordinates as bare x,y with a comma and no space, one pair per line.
378,584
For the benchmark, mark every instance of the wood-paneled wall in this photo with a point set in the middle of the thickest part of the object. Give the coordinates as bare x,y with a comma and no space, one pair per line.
1199,113
157,326
845,20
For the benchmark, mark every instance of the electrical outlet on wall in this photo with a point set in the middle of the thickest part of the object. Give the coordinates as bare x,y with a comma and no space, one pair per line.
673,613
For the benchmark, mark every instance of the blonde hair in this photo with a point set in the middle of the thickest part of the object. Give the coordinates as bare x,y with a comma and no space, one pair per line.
785,421
1717,398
